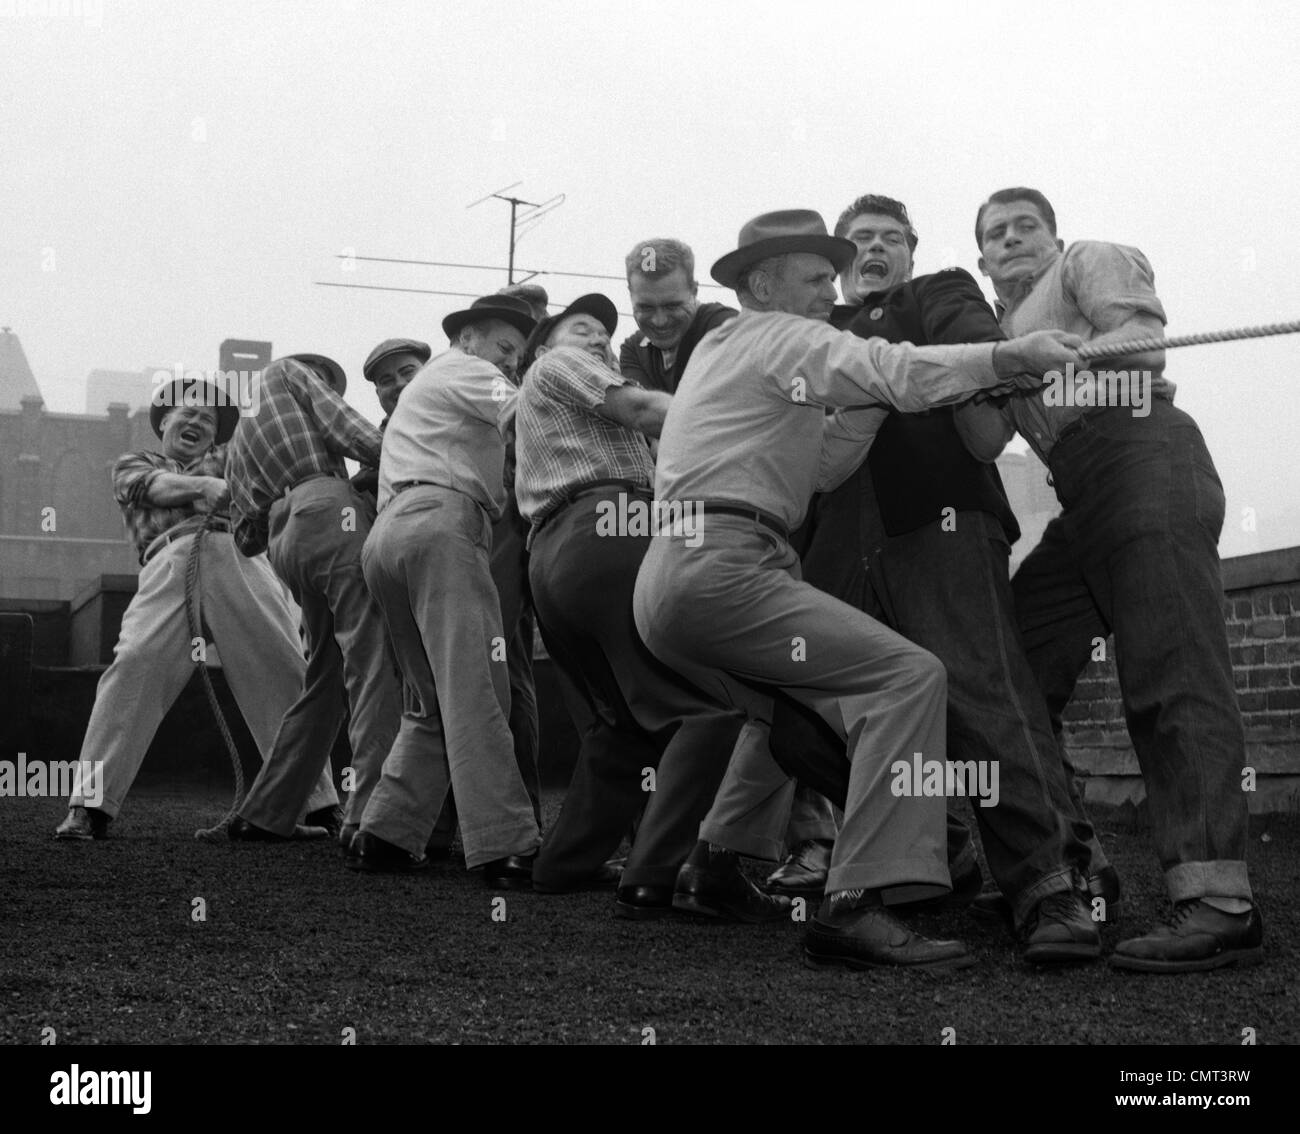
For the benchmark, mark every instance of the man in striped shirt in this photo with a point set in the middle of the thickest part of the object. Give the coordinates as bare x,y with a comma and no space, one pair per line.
290,495
583,482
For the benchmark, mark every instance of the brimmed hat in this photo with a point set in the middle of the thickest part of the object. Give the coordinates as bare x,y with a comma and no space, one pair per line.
327,368
532,294
195,392
600,306
777,234
394,346
508,308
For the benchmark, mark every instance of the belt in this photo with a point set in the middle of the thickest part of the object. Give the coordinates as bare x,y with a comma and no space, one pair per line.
309,477
755,514
180,531
402,486
588,489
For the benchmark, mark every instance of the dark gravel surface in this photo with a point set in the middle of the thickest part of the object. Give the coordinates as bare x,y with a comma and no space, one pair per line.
98,942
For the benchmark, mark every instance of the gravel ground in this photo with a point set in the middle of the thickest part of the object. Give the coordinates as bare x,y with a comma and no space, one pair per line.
100,943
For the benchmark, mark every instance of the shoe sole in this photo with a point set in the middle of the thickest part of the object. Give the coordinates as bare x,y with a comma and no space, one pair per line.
641,913
76,838
860,964
687,904
807,892
356,862
1242,957
1062,954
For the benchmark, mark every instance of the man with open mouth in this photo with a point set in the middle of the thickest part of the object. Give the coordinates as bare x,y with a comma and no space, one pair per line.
165,499
774,406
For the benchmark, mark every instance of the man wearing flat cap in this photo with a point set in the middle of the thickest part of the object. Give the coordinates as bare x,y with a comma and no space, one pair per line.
290,496
391,366
427,564
761,420
165,499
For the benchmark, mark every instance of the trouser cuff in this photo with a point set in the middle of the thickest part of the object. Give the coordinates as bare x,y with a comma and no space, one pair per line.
1222,878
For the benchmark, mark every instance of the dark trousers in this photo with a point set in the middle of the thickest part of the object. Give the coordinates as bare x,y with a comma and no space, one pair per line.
1135,553
644,716
948,591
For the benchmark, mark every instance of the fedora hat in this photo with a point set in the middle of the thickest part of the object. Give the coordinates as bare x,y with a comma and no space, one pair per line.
599,306
776,234
508,308
195,392
327,368
394,346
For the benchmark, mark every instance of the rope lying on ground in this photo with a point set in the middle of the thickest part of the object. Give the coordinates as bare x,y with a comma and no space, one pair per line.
193,615
1137,346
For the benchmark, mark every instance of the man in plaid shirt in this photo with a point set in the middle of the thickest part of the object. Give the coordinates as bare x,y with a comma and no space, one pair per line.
165,498
290,495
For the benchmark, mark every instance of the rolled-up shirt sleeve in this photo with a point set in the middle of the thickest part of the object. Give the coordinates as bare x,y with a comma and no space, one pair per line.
1110,283
133,475
573,378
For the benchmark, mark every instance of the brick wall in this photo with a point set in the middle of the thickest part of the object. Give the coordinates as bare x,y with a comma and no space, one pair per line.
1261,609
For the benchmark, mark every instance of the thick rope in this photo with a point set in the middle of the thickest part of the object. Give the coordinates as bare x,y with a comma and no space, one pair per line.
1138,346
193,615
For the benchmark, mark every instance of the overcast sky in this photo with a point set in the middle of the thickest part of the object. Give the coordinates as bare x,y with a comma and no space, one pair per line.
175,174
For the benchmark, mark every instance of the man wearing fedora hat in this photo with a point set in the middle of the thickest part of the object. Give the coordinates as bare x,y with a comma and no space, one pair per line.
427,564
290,496
918,537
165,499
761,420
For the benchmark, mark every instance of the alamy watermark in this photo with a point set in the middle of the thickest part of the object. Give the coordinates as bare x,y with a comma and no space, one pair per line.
181,387
974,779
639,516
41,779
1100,389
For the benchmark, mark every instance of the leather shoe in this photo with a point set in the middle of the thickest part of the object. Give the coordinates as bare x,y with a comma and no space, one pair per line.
869,937
1196,937
514,872
331,818
607,877
1060,930
642,903
242,831
83,824
803,873
374,855
710,884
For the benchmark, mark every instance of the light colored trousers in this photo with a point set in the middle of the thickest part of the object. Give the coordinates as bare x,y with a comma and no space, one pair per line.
734,611
316,534
426,563
252,623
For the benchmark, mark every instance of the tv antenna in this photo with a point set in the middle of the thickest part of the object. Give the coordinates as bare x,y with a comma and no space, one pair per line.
521,223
